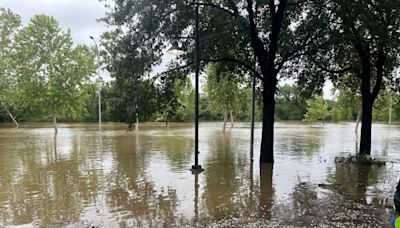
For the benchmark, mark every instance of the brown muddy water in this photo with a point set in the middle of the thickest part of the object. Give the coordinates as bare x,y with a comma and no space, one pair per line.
85,177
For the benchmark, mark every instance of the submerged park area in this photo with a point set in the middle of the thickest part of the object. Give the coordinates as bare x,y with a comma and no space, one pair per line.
113,178
201,113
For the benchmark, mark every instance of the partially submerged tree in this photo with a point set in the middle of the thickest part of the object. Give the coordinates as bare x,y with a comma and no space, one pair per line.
50,72
348,92
317,109
230,31
222,90
135,94
384,106
184,92
9,26
362,40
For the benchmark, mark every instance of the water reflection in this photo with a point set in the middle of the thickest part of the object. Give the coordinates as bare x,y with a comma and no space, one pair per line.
132,197
266,190
45,192
196,196
115,178
357,181
220,190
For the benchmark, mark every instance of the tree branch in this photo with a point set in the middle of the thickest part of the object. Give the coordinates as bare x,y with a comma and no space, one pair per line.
234,7
339,71
245,65
155,77
210,4
292,55
276,26
296,3
271,4
256,42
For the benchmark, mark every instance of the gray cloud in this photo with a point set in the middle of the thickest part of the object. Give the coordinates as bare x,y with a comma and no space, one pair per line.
78,15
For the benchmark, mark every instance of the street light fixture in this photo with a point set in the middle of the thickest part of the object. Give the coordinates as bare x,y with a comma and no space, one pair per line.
98,74
175,50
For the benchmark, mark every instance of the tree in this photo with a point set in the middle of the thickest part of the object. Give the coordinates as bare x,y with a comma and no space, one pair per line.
317,109
222,89
363,37
349,96
9,25
384,105
290,103
231,31
184,92
167,103
133,100
342,109
51,73
135,94
174,90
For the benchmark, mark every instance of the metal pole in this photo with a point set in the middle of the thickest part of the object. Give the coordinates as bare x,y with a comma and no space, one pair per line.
390,109
253,92
100,105
196,167
98,74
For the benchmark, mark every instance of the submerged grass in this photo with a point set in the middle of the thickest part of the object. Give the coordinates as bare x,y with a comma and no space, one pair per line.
360,160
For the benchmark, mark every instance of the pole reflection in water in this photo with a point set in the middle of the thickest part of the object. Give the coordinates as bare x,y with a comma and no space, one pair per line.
55,147
266,190
251,177
196,196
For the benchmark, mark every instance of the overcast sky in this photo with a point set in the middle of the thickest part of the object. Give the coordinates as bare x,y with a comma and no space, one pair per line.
78,15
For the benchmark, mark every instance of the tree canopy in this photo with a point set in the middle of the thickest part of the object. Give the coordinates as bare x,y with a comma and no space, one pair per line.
50,71
317,109
276,32
9,27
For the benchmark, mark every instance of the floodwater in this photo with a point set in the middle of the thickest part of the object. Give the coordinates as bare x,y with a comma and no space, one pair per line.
85,177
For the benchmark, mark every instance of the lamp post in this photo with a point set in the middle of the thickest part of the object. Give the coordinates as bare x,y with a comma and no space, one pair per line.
253,98
175,50
98,74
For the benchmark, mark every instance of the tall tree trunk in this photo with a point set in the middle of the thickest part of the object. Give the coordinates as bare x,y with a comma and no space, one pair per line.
266,59
267,139
368,97
12,118
366,124
225,119
231,114
55,123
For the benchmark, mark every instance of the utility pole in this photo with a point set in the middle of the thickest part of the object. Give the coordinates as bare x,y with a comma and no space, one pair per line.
98,74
